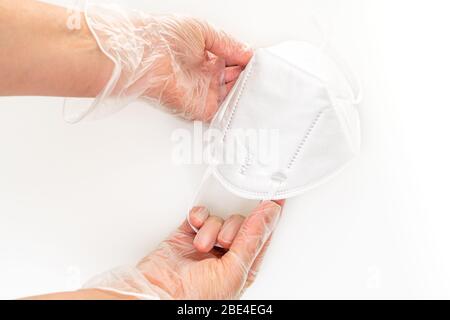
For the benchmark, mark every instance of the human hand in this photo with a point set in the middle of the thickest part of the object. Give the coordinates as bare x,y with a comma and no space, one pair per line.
181,63
188,266
195,68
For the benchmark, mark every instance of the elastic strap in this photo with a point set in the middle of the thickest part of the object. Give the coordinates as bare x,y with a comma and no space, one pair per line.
353,80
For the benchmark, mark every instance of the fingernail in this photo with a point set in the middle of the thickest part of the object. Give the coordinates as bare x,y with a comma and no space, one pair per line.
201,242
267,204
247,47
229,230
206,236
201,213
273,212
226,237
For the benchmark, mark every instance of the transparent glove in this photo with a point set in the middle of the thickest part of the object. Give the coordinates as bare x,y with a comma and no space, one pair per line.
178,62
188,266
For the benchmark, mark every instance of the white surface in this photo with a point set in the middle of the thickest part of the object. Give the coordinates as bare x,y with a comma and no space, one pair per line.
77,200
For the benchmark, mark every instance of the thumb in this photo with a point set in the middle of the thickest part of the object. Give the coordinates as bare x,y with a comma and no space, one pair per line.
253,234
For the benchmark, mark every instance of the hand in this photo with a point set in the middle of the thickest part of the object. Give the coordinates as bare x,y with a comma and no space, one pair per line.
182,63
186,265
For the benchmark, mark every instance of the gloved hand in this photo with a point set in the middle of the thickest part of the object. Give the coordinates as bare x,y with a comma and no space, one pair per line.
185,267
178,62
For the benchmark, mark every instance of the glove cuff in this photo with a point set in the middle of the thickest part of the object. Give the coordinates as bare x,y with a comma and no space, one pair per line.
127,281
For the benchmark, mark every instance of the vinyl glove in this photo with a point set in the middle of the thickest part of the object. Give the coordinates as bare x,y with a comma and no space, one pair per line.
178,62
178,270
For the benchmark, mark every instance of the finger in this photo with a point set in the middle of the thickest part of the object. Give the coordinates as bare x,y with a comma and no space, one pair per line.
258,261
209,109
253,234
207,236
280,203
213,100
230,86
229,230
216,94
257,264
225,46
198,216
185,228
232,73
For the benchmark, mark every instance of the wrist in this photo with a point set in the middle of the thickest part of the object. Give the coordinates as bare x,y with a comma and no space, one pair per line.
96,65
47,50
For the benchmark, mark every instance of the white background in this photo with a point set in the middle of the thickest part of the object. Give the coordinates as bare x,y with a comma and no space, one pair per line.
76,200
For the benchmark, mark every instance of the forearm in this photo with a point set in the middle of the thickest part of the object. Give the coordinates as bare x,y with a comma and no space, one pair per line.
41,55
87,294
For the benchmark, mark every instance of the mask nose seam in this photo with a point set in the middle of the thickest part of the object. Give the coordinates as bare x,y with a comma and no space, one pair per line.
305,139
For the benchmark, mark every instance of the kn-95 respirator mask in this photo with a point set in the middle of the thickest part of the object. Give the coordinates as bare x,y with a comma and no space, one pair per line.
288,125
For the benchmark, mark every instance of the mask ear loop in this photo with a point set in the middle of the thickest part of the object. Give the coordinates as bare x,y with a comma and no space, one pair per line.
353,80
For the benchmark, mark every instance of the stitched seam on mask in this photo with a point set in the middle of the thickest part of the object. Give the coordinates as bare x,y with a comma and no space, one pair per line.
283,193
302,143
304,140
233,111
291,162
246,164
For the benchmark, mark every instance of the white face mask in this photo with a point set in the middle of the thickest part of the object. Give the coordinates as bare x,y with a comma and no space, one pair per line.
301,107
